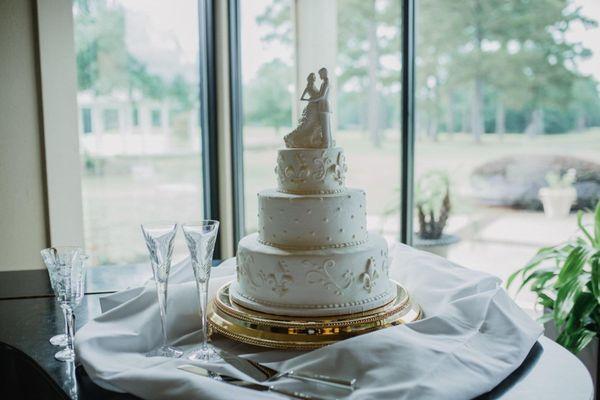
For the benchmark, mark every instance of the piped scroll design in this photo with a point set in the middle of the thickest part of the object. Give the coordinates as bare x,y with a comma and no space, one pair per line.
320,274
340,168
244,271
280,279
369,277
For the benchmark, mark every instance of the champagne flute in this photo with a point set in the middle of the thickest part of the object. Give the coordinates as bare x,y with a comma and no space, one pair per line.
160,238
66,267
201,237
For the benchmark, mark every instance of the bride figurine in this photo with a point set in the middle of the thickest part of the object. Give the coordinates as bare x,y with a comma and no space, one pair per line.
314,127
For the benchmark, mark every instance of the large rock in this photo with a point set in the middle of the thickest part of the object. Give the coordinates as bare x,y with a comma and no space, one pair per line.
515,181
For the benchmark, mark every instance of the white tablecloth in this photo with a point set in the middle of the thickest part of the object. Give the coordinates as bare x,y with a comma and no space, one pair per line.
472,338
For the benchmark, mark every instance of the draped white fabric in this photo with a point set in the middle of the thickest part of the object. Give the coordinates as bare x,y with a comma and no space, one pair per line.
472,338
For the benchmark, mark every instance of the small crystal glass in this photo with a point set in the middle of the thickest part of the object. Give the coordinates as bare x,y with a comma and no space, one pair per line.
66,267
201,237
160,238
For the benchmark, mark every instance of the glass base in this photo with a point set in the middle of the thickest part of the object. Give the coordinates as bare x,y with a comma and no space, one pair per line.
59,340
165,351
65,355
204,353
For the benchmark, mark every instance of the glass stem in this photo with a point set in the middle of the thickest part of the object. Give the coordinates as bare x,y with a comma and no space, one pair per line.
161,288
65,322
203,295
70,322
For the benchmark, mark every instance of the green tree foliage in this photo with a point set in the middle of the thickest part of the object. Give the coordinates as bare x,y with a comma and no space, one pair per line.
482,65
105,65
266,97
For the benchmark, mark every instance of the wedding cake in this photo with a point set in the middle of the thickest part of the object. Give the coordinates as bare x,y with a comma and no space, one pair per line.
312,254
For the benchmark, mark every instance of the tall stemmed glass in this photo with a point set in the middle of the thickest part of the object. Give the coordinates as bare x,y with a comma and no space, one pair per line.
160,238
66,267
200,237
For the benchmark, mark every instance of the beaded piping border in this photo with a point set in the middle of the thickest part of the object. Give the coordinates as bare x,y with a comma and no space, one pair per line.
267,303
332,191
321,247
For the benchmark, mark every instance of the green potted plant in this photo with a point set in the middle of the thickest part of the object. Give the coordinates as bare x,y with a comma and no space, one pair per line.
433,206
566,281
560,194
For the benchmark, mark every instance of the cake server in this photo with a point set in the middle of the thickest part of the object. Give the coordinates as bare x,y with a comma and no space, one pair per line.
247,384
262,373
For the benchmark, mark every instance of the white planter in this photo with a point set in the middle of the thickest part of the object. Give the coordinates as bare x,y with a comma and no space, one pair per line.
557,202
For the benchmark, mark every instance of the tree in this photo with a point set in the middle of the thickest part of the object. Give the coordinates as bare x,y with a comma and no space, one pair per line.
267,98
368,37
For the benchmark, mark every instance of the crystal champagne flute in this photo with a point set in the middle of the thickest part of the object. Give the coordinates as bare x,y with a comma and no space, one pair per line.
160,238
201,237
66,267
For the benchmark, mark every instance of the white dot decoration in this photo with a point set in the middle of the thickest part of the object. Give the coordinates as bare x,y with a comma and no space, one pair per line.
308,210
325,219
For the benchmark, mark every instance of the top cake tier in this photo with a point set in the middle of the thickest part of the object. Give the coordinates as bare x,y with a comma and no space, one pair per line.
311,171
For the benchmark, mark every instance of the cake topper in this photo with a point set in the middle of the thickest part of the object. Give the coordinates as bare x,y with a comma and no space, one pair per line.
314,125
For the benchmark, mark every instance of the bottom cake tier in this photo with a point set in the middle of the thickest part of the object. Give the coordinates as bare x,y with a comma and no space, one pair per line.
333,281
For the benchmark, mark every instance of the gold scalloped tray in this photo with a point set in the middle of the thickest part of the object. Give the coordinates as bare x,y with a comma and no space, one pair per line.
295,333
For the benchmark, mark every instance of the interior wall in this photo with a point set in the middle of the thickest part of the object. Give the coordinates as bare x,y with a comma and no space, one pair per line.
23,217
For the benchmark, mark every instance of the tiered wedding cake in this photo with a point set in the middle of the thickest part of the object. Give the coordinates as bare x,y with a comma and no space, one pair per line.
312,254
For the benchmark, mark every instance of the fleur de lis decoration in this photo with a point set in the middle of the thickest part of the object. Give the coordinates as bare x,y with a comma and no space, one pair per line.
280,279
300,175
370,275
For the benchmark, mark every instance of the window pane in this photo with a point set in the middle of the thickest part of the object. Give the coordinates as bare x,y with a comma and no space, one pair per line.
358,41
138,81
507,103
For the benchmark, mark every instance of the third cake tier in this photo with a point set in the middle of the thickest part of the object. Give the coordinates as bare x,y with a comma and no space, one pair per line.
312,282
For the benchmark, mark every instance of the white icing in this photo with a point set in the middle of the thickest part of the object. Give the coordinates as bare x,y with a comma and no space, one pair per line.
312,221
307,171
312,282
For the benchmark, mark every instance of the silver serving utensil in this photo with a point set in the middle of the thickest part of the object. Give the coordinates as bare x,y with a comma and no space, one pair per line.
262,373
247,384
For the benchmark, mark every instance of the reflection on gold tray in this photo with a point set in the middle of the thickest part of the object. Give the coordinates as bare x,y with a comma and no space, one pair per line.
295,333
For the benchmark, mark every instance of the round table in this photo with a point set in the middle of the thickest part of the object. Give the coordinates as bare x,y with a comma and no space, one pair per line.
549,372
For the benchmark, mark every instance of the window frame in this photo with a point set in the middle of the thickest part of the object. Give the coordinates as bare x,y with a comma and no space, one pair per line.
60,114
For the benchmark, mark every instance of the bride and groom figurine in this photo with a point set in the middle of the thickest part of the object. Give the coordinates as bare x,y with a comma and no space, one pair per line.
314,125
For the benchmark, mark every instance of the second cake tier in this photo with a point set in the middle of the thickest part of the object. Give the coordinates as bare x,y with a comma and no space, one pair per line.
294,221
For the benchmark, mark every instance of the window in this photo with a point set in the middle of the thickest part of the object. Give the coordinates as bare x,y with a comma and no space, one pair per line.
133,59
507,102
358,41
86,120
110,119
135,117
156,117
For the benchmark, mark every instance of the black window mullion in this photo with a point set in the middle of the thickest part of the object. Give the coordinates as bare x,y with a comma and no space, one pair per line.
408,120
208,114
237,144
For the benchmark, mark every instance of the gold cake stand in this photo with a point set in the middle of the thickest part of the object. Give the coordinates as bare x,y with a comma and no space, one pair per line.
295,333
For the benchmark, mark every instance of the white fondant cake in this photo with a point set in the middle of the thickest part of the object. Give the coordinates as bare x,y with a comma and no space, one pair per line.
312,254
